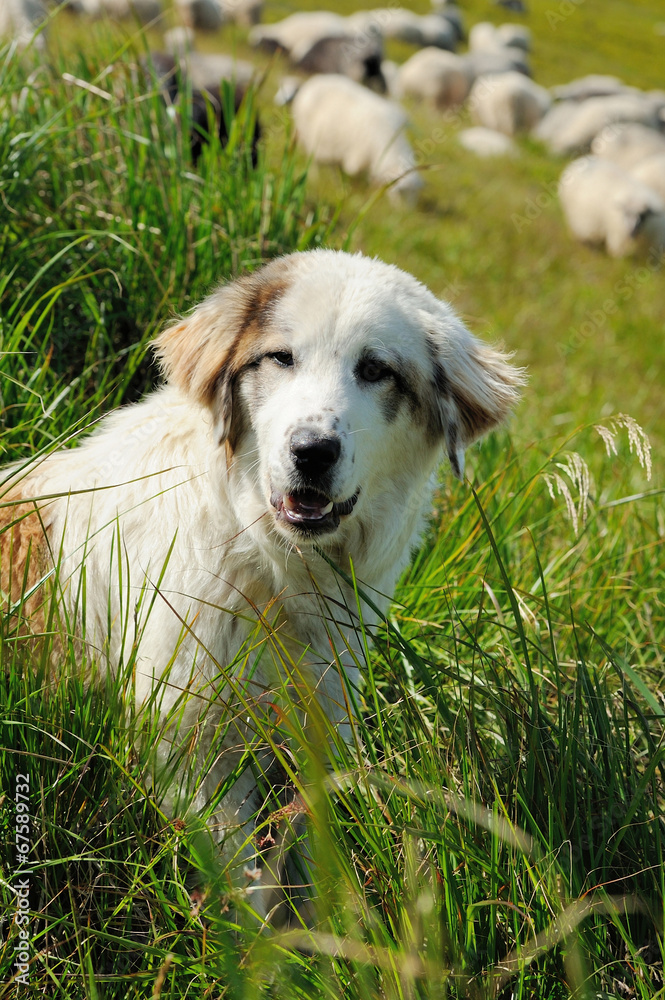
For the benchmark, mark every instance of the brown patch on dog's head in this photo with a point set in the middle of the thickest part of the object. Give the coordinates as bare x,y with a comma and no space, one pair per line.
474,389
204,353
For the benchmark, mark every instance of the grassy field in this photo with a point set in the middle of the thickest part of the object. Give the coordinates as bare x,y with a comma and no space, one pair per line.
501,834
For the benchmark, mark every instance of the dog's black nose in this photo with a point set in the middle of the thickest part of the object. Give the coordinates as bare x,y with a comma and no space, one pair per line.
313,453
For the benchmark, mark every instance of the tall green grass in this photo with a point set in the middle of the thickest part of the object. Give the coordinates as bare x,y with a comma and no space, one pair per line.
497,828
106,228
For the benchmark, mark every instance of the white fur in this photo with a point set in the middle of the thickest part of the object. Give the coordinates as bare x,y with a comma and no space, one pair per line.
628,143
487,142
405,25
508,102
339,121
485,37
651,171
245,12
299,32
145,10
571,129
440,77
605,205
185,554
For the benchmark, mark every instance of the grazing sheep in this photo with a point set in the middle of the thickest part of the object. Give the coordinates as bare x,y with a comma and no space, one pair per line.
20,19
145,10
504,60
482,37
485,37
206,69
441,78
593,85
575,127
515,35
166,71
556,120
404,25
296,34
339,121
651,172
452,13
605,205
244,12
486,142
356,56
508,102
628,143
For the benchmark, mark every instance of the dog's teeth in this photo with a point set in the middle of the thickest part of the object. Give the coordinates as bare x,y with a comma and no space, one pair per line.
326,510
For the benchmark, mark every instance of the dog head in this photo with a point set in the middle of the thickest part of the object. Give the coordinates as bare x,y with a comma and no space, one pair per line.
333,380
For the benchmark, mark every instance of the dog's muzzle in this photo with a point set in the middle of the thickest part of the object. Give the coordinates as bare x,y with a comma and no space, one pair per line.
309,506
311,512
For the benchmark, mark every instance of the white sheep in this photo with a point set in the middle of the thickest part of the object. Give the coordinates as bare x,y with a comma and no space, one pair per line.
339,121
508,102
20,19
651,172
297,34
206,69
555,121
482,36
593,85
390,71
441,78
404,25
515,35
628,143
501,60
145,10
572,129
485,37
605,205
244,12
487,142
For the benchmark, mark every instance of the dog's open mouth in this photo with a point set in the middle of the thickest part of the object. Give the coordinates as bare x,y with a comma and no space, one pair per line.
310,511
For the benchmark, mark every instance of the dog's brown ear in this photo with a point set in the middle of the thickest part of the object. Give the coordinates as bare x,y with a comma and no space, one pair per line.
204,352
476,387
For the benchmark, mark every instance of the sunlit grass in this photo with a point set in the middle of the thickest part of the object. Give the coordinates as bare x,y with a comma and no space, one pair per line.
496,828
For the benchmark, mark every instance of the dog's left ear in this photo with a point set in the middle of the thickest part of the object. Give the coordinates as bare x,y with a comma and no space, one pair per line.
204,353
475,387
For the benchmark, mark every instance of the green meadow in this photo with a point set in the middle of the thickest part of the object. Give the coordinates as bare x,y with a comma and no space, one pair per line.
497,830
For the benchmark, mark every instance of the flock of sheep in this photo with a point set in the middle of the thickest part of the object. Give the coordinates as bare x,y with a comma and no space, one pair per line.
345,101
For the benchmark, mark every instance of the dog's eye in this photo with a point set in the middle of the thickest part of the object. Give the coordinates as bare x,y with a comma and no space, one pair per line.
283,358
371,370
